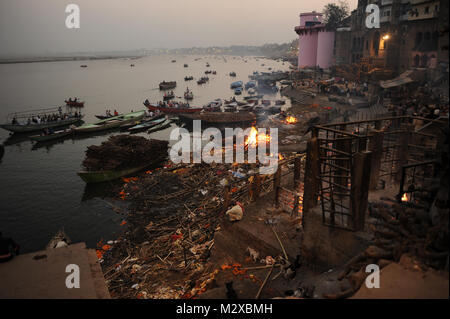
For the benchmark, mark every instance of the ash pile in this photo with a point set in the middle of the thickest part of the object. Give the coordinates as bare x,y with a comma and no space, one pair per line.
124,151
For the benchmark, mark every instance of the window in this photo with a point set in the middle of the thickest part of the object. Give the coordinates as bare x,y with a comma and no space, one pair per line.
427,9
418,39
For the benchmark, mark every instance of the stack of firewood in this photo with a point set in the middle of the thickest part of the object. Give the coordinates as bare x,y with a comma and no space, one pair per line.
402,231
124,151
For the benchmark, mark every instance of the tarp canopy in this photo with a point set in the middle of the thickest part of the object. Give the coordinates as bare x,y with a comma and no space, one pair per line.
402,79
413,75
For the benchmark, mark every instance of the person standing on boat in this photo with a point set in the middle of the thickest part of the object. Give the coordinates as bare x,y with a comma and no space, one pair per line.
8,248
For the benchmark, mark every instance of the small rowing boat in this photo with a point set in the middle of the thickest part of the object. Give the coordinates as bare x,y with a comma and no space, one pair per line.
104,176
74,103
146,125
160,126
52,136
172,110
111,123
213,118
167,85
15,126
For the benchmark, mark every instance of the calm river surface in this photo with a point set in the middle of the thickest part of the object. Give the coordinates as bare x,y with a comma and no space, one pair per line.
40,191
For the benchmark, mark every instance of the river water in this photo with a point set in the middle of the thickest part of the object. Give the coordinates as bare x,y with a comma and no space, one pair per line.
40,191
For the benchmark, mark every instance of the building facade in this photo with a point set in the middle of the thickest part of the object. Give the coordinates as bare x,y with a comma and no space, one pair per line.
410,36
316,42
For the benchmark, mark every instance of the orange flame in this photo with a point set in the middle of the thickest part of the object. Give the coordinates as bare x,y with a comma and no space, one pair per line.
291,120
404,198
254,137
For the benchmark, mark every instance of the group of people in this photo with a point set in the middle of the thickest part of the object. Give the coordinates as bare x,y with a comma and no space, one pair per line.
422,101
171,104
109,114
47,118
149,113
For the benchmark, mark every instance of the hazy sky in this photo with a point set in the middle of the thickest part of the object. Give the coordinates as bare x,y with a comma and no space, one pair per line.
38,26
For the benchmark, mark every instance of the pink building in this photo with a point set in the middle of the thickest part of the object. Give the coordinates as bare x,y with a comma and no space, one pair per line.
315,43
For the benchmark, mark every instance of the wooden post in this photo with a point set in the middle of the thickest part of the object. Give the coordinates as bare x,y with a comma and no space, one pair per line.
360,189
276,186
344,145
256,187
312,172
297,172
403,141
294,211
376,147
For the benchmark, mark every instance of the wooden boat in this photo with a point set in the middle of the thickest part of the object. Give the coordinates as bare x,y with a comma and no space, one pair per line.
110,123
53,136
233,74
185,65
74,103
159,127
214,106
231,107
236,84
213,118
188,78
104,176
27,128
147,125
250,84
172,110
188,95
246,108
167,85
103,117
169,96
253,97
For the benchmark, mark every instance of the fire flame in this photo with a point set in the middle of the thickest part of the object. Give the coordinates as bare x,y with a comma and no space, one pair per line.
404,198
254,137
291,120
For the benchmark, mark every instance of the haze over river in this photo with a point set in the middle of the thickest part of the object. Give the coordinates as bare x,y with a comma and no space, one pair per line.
40,191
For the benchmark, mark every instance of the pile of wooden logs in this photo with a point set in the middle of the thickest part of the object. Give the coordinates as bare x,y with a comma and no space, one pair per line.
124,151
402,231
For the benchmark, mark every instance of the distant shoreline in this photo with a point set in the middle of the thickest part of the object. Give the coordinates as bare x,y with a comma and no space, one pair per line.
64,59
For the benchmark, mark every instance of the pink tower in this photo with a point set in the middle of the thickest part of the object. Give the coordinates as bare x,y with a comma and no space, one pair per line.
315,42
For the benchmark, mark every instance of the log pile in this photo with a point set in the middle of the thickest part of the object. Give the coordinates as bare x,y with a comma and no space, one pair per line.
403,232
124,151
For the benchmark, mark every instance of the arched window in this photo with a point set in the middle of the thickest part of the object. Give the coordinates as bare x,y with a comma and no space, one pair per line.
416,60
376,42
418,40
434,40
424,61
